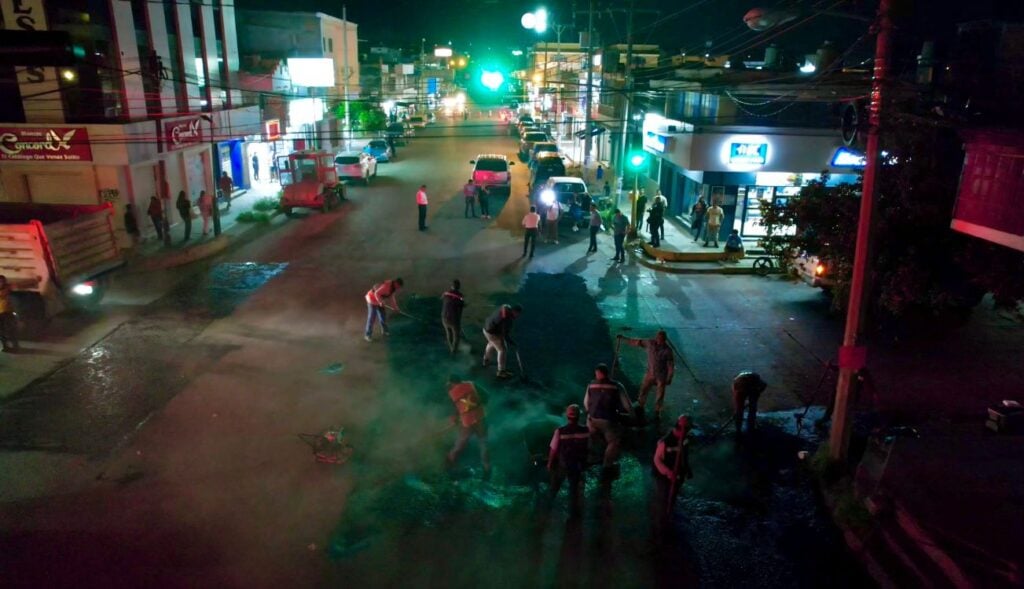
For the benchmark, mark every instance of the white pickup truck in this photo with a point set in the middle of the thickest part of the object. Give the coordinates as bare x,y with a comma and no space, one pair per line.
55,256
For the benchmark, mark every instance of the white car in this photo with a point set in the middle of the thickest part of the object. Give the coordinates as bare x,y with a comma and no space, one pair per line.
355,165
418,122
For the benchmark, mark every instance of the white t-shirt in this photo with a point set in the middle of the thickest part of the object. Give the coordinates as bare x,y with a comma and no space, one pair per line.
554,211
531,220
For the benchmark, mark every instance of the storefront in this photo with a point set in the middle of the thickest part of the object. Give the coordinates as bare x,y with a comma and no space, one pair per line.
739,168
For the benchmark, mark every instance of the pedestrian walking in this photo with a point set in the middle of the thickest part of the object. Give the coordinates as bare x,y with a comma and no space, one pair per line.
421,204
746,390
607,189
131,224
469,191
620,225
452,304
599,175
483,195
551,217
184,206
8,320
606,402
567,457
469,418
206,205
530,222
662,203
156,214
641,207
655,220
375,299
661,367
497,330
393,145
227,186
595,227
697,212
671,466
255,167
713,218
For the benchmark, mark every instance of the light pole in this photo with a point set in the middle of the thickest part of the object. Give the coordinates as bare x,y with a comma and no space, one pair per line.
214,164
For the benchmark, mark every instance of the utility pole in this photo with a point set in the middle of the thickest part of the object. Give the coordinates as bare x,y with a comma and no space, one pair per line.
559,97
627,95
590,85
345,76
852,354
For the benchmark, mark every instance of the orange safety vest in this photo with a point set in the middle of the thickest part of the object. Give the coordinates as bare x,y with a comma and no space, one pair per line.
467,403
376,295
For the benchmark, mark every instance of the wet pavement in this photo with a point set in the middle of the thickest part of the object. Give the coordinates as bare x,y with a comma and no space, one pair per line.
167,453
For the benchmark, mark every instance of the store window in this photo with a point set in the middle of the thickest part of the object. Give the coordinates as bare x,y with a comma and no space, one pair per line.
751,197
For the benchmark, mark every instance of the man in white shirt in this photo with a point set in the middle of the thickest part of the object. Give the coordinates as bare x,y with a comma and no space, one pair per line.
714,218
421,202
551,217
530,222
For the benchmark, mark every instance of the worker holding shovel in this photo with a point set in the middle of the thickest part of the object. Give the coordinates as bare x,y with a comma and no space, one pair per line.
671,465
469,417
661,367
376,298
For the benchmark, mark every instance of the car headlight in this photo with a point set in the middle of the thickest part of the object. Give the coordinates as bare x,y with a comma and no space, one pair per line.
83,290
547,197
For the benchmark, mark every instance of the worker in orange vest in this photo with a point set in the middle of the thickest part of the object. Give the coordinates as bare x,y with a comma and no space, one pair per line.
376,299
469,417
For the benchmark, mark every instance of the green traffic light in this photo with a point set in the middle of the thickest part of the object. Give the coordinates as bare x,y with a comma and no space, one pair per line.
492,80
637,160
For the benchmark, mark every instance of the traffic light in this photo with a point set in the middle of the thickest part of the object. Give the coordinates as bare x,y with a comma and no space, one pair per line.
492,80
636,160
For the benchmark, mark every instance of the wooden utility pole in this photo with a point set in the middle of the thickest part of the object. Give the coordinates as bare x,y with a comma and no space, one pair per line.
853,354
590,86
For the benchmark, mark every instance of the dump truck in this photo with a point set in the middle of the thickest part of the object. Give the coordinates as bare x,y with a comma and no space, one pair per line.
57,256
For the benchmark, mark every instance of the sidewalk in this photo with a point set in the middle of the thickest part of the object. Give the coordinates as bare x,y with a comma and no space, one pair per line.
152,254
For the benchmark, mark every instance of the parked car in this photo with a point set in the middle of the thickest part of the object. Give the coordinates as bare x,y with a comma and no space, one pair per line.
520,121
379,149
813,270
491,172
543,147
418,121
527,142
398,132
545,165
355,165
570,191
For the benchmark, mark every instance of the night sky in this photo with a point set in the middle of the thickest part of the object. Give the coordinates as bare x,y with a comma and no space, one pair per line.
492,26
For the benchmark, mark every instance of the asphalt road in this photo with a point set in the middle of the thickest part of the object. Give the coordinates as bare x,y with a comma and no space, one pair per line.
167,454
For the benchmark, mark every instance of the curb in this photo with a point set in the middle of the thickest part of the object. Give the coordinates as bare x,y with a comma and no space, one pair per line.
200,251
694,267
674,256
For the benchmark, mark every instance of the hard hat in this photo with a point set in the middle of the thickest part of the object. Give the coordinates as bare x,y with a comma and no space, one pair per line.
572,411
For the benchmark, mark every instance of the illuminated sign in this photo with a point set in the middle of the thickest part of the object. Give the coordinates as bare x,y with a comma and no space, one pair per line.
655,142
443,52
311,72
848,158
273,129
183,133
748,154
58,144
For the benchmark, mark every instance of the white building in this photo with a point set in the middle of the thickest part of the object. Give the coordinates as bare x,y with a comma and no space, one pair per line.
139,116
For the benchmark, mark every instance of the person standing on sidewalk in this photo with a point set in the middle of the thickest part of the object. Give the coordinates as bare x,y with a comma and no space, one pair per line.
714,219
375,299
156,214
661,202
567,457
421,203
8,320
641,207
700,208
620,225
599,175
227,186
469,417
255,168
661,367
497,330
530,222
551,217
469,191
452,304
655,220
595,228
606,402
482,194
184,206
206,205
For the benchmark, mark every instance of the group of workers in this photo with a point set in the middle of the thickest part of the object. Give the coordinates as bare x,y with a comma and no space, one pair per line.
606,402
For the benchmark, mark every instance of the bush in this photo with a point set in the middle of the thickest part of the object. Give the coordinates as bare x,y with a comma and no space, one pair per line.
253,217
267,204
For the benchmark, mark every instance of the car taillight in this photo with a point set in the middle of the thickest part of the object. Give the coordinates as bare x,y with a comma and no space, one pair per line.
819,269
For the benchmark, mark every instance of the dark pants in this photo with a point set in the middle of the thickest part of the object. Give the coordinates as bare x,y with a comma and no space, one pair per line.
256,172
574,473
470,207
739,401
696,226
452,334
656,230
593,239
530,241
620,251
484,209
423,217
8,330
158,223
186,220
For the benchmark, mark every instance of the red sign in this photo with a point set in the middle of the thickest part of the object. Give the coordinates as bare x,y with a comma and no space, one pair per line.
989,202
183,133
273,127
57,144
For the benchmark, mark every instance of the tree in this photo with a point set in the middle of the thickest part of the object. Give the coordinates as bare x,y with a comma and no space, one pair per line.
373,120
917,262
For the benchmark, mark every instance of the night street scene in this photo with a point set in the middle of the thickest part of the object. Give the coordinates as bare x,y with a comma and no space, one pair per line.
481,294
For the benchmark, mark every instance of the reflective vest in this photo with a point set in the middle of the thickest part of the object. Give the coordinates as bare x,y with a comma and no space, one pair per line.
467,403
379,292
573,439
671,441
604,399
